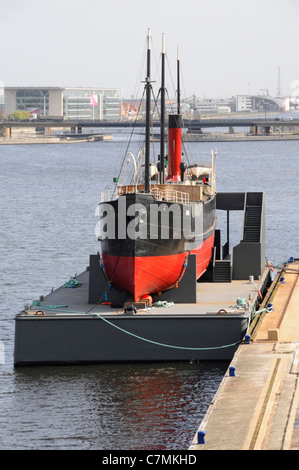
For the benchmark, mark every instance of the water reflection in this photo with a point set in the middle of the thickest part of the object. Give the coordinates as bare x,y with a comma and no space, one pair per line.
111,407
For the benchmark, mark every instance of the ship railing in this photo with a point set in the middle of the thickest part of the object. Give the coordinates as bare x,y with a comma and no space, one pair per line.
170,195
106,194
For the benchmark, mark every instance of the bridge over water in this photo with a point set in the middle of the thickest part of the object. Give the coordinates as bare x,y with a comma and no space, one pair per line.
189,124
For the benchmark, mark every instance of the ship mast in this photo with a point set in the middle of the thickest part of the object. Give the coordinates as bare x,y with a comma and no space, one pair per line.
178,82
162,127
147,114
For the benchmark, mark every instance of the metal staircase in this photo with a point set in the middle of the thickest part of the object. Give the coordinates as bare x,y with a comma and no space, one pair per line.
246,258
252,219
222,270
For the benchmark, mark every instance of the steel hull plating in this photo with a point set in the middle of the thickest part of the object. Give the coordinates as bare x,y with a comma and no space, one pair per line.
151,274
155,259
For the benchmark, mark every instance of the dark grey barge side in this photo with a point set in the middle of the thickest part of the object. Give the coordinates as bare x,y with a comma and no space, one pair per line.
197,321
58,339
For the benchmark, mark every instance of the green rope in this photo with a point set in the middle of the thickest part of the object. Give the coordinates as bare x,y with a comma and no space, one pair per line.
36,303
72,283
244,302
161,344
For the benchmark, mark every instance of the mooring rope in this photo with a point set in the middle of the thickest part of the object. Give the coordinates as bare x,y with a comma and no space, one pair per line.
162,344
55,307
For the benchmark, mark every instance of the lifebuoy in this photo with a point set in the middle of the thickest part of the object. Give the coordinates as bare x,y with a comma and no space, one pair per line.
270,266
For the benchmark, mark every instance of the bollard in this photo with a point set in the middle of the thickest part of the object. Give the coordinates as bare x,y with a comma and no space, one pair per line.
201,437
232,371
247,339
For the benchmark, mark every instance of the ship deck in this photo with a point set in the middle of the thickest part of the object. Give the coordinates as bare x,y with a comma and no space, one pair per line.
211,298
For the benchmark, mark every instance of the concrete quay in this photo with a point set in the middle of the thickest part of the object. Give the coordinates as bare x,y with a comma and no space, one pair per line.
238,137
256,405
53,139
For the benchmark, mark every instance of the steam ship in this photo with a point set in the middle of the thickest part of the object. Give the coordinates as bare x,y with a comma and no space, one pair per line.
150,228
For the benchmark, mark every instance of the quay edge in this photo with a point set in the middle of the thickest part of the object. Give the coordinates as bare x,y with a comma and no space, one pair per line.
256,408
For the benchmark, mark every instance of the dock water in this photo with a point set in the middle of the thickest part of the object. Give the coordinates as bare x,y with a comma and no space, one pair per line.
256,405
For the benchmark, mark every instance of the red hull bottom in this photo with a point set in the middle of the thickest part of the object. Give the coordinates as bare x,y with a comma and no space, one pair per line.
150,274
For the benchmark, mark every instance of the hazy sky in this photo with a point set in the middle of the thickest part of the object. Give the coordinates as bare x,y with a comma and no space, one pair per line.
227,47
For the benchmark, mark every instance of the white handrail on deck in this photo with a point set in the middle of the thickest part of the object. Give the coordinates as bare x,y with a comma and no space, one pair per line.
170,195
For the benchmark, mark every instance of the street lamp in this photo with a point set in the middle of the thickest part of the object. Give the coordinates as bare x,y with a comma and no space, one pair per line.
44,96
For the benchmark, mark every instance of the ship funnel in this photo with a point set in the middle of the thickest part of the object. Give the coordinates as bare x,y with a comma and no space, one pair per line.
174,146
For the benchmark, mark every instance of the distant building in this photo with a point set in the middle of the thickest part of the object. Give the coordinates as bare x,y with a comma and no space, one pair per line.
212,108
261,103
71,103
